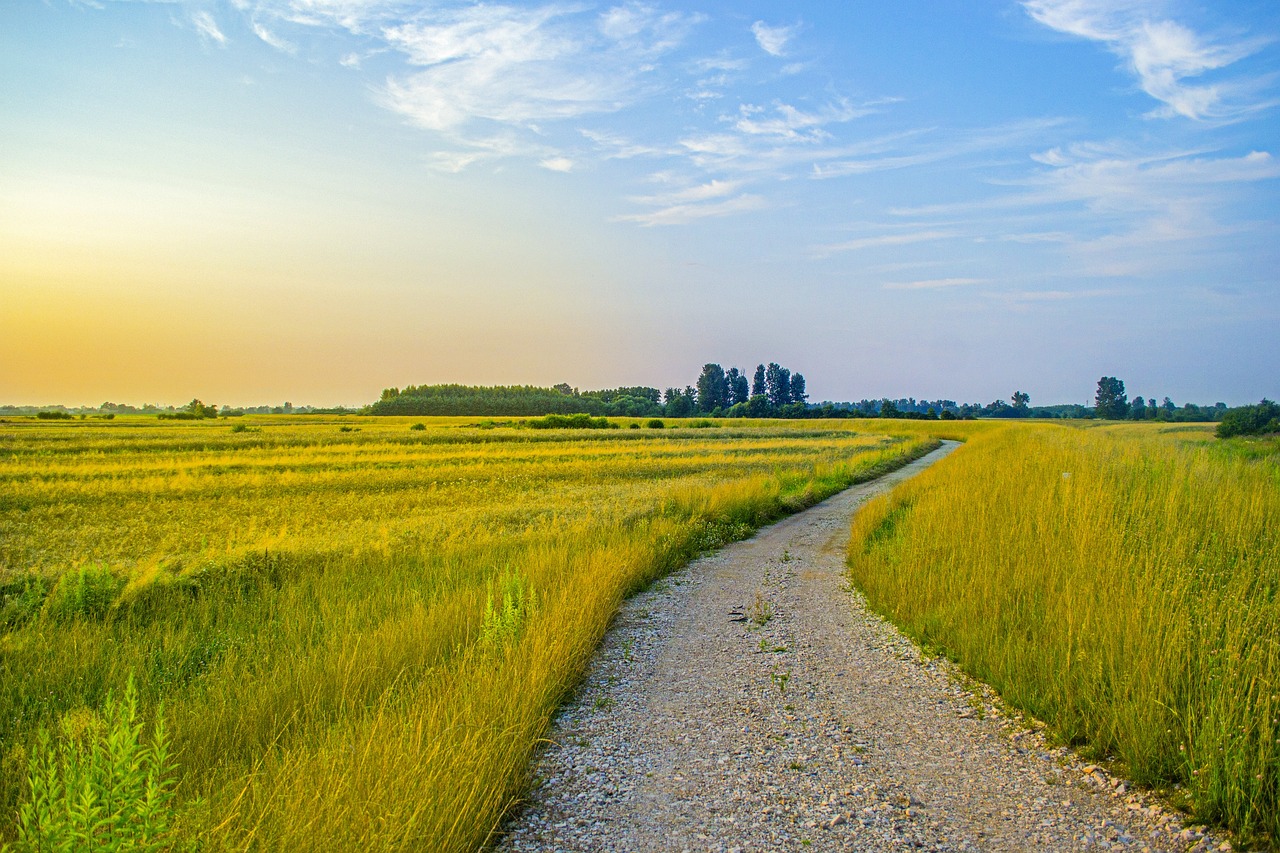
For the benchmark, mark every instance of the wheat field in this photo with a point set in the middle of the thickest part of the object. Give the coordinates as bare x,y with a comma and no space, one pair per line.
355,629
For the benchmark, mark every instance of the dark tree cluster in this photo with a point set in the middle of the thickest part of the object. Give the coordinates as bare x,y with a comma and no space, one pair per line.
1262,419
1112,403
773,391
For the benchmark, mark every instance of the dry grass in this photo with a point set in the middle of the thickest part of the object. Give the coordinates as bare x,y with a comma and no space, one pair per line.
1119,582
358,636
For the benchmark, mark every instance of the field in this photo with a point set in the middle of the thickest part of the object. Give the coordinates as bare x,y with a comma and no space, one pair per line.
355,631
1120,582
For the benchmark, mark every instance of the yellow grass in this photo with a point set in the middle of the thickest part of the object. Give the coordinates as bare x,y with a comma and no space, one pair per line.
358,636
1118,581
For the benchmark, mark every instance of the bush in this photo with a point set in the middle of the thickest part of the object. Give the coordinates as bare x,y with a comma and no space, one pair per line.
704,424
54,416
87,592
418,427
581,421
1250,420
99,787
239,428
655,423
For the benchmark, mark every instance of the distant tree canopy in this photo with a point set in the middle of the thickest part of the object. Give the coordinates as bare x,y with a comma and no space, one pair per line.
1261,419
769,391
717,392
517,401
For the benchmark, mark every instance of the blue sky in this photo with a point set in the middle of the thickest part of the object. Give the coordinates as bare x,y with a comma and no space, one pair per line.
260,200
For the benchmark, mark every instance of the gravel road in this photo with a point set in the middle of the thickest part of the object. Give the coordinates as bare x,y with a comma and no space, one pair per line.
751,702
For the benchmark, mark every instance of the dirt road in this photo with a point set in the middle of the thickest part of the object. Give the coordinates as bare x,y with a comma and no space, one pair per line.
751,702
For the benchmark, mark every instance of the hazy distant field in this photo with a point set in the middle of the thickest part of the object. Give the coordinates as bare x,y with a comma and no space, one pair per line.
358,630
1119,581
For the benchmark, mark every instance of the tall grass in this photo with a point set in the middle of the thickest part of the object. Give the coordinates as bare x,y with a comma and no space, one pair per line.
358,637
1119,583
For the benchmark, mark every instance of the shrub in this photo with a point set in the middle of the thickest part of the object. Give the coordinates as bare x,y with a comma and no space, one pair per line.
580,421
86,592
1251,420
704,424
99,787
54,416
655,423
239,428
420,427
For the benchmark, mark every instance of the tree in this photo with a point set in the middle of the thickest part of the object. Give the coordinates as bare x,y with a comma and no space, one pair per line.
1020,401
564,388
889,409
200,410
798,394
730,381
777,383
680,404
739,386
713,388
757,382
1111,402
758,406
1138,411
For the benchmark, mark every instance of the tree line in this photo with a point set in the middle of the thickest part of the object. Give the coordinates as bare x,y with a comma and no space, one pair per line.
770,391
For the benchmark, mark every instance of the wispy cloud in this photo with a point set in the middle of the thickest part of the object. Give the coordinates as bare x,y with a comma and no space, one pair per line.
1110,211
788,122
273,40
557,164
680,214
932,283
525,68
1162,53
880,240
701,192
208,29
773,40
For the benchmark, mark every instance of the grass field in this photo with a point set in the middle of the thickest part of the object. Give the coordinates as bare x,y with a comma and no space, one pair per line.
1120,582
358,630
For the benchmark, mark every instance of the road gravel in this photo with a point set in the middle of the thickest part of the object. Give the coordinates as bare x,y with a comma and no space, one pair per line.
752,702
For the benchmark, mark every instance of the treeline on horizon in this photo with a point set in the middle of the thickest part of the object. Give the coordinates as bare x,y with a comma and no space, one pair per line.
772,391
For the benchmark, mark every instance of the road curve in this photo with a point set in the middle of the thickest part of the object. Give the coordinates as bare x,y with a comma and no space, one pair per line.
751,702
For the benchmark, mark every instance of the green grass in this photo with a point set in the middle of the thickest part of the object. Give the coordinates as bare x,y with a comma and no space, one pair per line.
1119,582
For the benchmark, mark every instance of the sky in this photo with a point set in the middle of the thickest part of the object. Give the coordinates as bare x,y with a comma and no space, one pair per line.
253,201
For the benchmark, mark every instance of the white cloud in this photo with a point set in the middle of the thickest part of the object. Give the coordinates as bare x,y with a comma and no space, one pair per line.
273,40
356,16
523,68
903,239
701,192
933,283
680,214
773,40
1163,54
208,28
788,122
557,164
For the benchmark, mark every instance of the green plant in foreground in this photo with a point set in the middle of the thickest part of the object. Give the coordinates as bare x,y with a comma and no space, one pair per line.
502,620
99,787
780,679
